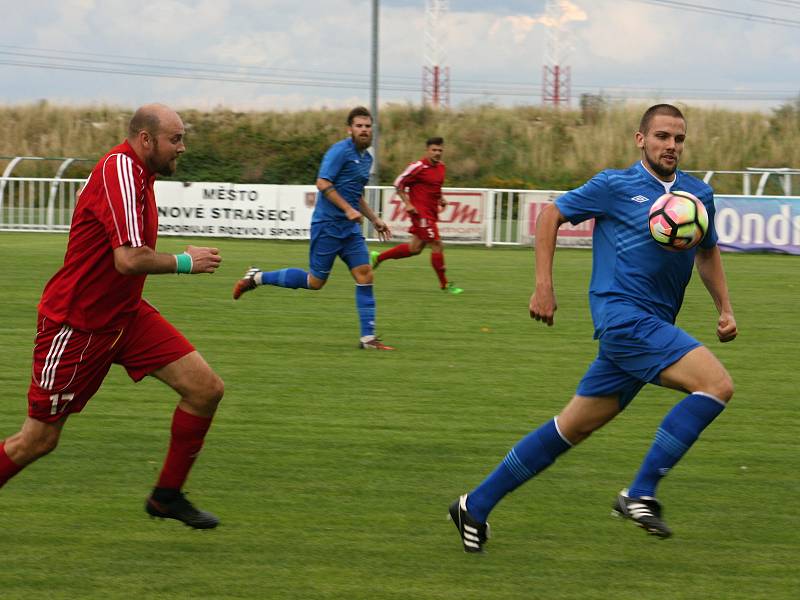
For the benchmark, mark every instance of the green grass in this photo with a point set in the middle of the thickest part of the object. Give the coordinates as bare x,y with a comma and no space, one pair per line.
332,468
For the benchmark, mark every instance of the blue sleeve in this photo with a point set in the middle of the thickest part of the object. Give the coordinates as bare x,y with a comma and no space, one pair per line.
711,235
588,201
332,163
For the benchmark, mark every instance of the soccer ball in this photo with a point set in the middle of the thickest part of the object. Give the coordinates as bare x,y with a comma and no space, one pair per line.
678,221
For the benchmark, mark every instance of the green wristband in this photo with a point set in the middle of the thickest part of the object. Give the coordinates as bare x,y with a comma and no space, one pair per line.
183,263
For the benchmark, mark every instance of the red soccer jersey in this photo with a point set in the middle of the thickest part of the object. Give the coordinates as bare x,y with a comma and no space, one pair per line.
116,207
423,180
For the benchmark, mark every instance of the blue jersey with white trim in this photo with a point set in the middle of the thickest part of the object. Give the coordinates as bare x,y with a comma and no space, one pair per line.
348,169
630,272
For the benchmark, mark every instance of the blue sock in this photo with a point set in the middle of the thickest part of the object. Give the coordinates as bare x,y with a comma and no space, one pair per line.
365,304
678,431
531,455
288,278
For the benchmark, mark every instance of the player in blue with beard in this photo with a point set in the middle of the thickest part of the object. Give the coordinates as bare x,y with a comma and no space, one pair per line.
635,293
336,227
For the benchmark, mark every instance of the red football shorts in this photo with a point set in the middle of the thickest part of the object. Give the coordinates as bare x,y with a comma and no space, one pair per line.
425,229
69,364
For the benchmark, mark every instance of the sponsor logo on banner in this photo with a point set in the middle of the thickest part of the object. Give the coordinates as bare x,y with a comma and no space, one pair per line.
758,223
233,210
461,219
568,234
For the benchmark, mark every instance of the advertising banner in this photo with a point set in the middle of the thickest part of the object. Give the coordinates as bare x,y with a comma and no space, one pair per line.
758,223
743,223
568,235
461,220
235,210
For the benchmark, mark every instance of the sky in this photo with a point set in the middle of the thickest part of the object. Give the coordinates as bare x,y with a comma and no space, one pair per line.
301,54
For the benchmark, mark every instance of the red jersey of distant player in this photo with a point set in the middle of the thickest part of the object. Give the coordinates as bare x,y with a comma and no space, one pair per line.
116,207
423,180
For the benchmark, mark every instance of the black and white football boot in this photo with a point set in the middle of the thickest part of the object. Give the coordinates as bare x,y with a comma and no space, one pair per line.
644,511
473,534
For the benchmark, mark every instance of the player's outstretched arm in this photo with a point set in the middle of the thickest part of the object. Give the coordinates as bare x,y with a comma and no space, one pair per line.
146,261
709,266
543,303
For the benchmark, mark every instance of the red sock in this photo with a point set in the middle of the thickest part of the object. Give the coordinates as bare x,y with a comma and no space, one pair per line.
437,261
8,468
188,433
401,251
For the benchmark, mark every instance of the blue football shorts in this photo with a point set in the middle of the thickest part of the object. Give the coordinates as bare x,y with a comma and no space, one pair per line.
633,354
329,240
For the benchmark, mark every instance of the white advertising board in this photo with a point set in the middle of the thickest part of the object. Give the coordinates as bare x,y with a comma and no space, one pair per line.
235,210
532,204
461,220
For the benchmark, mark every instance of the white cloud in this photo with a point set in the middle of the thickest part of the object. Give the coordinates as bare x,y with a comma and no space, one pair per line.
521,25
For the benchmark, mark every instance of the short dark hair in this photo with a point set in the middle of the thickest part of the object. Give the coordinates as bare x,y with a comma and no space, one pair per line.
658,109
358,111
435,141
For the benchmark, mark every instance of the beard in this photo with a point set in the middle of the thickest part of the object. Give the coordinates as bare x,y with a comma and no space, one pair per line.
165,167
660,169
360,142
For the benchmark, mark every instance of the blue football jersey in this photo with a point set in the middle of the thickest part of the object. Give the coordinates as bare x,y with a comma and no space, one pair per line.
630,271
348,169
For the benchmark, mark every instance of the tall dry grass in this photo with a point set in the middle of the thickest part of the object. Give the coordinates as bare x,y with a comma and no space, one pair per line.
485,145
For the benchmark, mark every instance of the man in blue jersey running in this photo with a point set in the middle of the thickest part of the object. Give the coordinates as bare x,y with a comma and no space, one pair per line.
635,293
336,227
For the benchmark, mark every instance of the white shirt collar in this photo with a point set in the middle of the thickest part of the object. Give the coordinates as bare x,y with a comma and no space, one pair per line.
667,184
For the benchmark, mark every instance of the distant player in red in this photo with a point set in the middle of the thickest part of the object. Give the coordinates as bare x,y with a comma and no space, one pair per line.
420,188
92,314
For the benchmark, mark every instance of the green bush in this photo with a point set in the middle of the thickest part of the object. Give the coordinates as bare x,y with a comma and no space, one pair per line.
485,146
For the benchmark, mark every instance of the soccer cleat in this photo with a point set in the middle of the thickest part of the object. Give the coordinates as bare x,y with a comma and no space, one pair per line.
246,283
645,512
472,533
374,343
181,510
450,288
373,259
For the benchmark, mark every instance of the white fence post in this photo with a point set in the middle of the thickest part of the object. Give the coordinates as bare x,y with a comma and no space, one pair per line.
488,221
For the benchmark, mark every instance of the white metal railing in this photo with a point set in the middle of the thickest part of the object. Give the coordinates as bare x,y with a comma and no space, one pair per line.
16,191
37,203
787,179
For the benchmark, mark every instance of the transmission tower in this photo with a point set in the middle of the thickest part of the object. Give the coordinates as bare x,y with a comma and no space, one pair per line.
435,75
556,84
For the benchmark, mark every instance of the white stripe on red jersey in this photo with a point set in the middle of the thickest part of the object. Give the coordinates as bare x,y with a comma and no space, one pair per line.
108,198
127,186
60,340
409,170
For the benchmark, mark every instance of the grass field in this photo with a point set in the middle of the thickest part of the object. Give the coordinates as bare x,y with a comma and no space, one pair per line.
332,468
